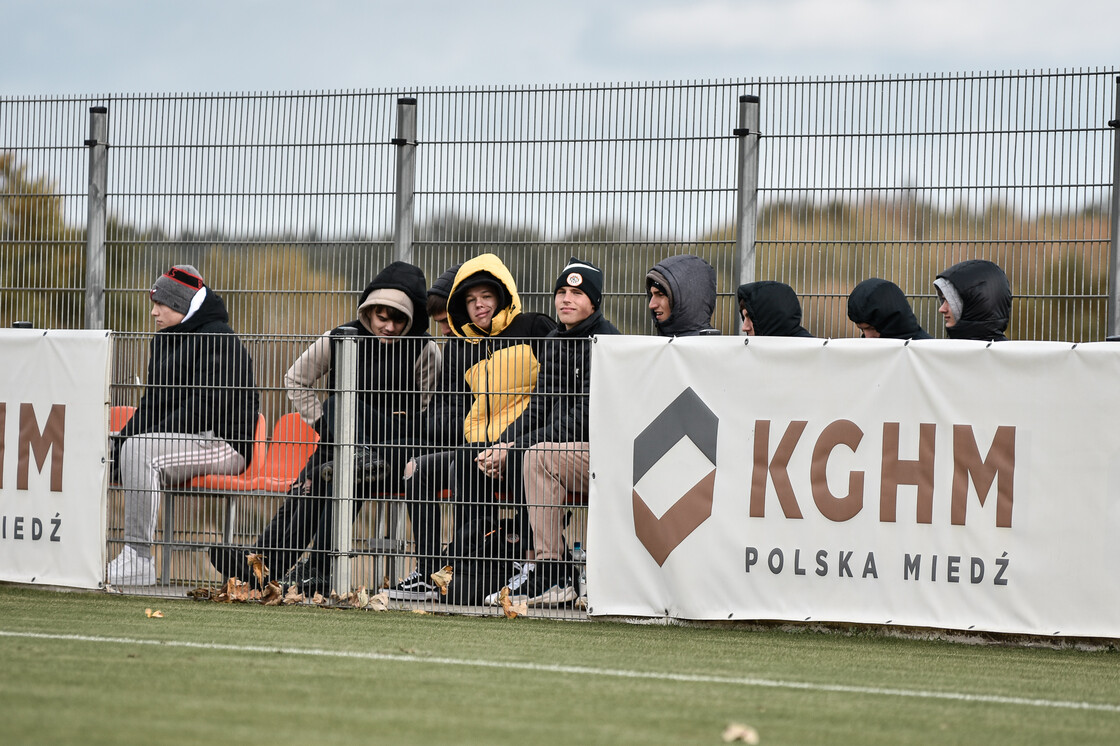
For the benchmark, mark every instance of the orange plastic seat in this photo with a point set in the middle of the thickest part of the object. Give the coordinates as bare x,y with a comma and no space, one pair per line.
119,416
293,441
243,481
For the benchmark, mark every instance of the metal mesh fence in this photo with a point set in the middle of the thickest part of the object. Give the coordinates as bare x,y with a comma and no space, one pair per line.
286,202
287,205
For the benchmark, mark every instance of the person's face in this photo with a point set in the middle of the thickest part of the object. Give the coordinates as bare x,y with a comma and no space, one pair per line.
165,316
385,323
867,331
659,304
443,324
482,303
572,306
946,312
748,325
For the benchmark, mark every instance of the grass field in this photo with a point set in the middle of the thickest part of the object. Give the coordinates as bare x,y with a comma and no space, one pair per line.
93,668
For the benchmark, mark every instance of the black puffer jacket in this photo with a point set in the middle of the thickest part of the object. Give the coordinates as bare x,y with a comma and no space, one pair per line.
985,296
559,411
883,306
692,288
200,378
773,308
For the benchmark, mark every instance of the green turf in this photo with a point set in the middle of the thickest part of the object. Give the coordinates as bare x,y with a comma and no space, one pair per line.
97,691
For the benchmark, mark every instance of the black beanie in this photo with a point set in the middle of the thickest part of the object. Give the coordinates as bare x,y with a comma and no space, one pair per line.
176,288
442,286
584,276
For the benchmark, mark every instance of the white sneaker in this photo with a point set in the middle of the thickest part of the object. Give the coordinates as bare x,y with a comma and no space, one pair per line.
520,577
129,568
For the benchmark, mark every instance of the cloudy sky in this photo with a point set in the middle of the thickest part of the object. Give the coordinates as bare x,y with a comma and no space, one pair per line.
142,46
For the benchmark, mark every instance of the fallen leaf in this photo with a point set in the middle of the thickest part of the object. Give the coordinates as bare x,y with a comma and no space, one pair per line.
442,578
419,611
379,602
202,594
255,594
273,594
157,614
511,609
294,596
234,591
257,565
740,732
318,599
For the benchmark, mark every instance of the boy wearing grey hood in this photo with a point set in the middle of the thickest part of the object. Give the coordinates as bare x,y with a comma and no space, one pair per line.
681,291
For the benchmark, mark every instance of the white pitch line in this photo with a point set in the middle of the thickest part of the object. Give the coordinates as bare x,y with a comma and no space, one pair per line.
587,671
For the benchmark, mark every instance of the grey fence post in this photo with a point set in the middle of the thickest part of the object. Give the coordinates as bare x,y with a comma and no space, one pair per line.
346,397
1113,326
746,205
98,144
406,178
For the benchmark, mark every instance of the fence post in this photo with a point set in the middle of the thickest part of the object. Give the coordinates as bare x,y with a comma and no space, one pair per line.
746,206
98,144
406,178
346,396
1112,327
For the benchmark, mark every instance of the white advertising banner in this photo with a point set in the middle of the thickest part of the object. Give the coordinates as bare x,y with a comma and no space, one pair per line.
939,483
54,386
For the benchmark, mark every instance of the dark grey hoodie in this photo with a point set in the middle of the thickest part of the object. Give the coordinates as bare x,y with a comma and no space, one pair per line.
690,283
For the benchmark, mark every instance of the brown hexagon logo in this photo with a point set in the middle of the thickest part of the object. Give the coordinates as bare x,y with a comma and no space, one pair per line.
687,417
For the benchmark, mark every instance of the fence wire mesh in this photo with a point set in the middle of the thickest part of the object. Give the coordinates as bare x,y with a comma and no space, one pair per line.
286,202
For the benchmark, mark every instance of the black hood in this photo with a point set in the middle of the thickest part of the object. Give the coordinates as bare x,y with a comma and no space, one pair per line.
213,308
883,306
773,308
410,280
985,296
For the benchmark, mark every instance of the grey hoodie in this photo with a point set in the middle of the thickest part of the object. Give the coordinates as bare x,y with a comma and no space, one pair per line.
690,283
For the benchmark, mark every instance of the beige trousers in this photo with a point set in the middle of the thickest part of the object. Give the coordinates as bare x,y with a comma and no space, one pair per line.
551,471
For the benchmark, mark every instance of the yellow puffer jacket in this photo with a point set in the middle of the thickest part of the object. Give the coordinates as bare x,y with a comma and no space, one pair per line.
488,377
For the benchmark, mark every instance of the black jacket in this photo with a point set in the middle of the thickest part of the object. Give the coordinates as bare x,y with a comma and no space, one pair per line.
200,377
488,377
985,294
883,306
560,408
387,381
773,308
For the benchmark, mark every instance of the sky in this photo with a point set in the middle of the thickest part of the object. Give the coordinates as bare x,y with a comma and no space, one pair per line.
78,47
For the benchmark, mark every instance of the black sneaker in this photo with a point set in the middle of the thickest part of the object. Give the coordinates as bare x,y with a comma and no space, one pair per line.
551,585
538,584
308,577
416,587
368,468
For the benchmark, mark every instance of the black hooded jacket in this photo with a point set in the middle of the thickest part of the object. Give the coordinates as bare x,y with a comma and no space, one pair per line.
985,296
883,306
773,308
692,292
488,376
387,372
560,409
200,378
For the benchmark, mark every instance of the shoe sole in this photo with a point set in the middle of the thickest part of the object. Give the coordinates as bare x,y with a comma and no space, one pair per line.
412,595
554,597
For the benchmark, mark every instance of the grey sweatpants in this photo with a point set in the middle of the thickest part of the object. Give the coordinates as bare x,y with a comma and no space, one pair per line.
152,460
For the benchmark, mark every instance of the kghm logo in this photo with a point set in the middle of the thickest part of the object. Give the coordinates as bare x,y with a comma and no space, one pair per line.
687,417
